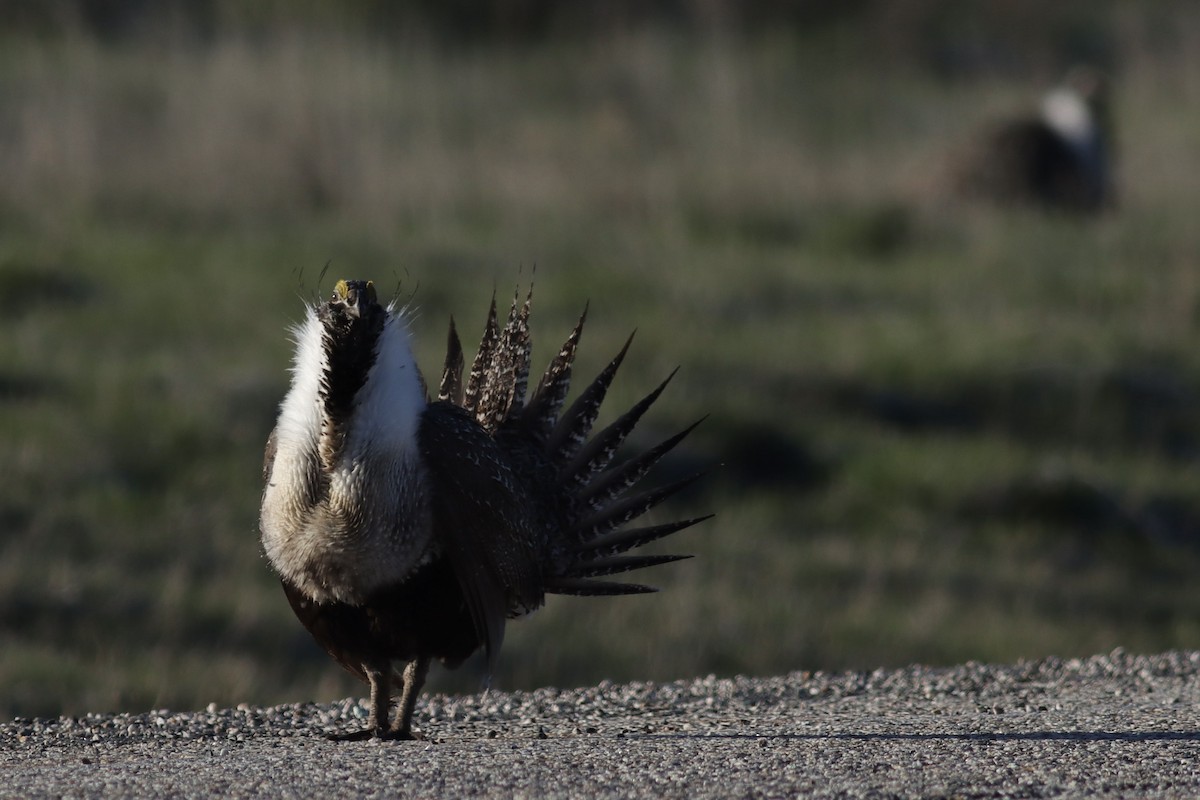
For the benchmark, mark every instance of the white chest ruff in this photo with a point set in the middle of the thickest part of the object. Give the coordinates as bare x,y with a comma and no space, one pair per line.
371,528
341,531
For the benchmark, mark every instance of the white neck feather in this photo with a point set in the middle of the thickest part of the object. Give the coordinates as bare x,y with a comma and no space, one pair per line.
387,408
389,405
300,412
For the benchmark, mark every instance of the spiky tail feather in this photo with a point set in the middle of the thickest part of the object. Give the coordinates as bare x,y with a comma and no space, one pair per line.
593,542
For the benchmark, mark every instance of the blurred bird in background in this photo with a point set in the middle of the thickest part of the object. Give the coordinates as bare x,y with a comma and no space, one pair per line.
1060,158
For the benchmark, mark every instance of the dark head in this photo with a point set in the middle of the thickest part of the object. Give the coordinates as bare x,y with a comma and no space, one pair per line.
356,299
352,317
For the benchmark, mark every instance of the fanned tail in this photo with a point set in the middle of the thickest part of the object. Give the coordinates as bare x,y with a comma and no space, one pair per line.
621,541
614,482
500,372
451,388
596,455
519,343
482,365
572,429
627,509
599,496
541,414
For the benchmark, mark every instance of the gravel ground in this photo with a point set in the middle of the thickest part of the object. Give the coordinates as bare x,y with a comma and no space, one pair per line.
1108,726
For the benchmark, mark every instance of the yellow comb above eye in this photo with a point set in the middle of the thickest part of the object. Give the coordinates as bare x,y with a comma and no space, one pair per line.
355,293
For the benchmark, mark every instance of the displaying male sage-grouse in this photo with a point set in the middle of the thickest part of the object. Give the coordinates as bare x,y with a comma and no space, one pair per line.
406,530
1060,158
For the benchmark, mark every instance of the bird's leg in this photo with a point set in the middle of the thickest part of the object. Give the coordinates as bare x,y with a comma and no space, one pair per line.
377,723
381,698
414,679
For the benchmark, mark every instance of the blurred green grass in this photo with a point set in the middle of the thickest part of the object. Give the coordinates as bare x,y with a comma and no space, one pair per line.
939,431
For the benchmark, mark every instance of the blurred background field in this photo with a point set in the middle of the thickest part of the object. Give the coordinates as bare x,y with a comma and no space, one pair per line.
939,429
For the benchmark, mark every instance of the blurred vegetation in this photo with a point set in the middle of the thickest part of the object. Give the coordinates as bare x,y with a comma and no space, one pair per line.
940,430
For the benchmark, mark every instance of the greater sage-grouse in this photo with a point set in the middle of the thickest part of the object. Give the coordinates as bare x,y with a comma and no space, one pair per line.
1062,158
406,529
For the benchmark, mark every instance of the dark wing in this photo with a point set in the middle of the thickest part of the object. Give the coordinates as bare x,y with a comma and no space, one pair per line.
480,520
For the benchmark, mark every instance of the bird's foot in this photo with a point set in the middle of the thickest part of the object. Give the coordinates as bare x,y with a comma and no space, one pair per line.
402,735
354,736
366,734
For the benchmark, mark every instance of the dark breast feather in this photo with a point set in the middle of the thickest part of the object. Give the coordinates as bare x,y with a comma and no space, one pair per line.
424,615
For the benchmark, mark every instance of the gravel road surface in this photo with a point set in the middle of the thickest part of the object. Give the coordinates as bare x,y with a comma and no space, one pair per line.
1109,726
